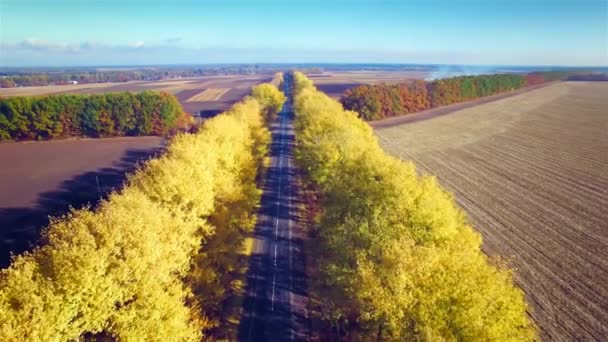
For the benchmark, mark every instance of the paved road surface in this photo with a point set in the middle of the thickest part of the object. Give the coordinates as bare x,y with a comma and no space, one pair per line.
275,306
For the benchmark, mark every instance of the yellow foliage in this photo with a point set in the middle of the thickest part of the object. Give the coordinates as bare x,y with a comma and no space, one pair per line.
119,270
395,256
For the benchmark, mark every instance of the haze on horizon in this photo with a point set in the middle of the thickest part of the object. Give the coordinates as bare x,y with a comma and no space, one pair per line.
535,32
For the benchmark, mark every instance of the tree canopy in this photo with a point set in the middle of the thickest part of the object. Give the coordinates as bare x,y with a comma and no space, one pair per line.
395,259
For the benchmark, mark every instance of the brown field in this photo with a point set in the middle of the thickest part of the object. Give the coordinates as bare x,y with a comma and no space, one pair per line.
336,83
233,88
531,171
211,94
38,179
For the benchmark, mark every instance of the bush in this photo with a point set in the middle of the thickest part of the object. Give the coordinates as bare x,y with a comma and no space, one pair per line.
395,258
151,263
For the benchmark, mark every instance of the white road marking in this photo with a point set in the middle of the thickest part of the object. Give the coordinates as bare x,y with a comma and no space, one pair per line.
287,108
278,204
272,300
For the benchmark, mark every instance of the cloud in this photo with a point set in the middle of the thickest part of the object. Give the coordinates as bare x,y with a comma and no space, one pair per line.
42,45
137,45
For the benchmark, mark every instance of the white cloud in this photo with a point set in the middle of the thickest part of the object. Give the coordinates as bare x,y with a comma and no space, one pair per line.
43,45
137,45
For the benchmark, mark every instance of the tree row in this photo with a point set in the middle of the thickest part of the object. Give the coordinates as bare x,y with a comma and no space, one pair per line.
104,115
156,261
374,102
393,258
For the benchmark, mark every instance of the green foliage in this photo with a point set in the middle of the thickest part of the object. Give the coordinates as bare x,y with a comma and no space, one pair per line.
395,258
112,114
155,261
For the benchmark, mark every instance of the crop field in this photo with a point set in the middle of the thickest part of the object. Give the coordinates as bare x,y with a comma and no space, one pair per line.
531,171
336,83
56,175
217,93
211,94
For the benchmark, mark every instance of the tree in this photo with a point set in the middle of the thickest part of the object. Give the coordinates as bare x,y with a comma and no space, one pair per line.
394,257
154,260
7,83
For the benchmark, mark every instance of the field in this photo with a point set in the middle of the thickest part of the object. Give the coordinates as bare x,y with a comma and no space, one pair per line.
336,83
209,94
56,175
531,171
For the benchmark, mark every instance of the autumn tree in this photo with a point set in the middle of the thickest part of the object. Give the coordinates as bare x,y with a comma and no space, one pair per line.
105,115
395,258
156,260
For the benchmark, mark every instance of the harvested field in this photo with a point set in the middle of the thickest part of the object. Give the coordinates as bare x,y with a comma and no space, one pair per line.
59,89
531,171
213,94
334,84
38,179
216,92
335,90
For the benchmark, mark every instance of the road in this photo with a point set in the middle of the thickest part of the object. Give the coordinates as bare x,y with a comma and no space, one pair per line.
276,299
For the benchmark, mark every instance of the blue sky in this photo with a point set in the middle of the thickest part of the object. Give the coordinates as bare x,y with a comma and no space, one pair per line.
96,32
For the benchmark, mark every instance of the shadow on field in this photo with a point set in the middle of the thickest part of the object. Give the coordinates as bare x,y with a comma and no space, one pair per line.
20,227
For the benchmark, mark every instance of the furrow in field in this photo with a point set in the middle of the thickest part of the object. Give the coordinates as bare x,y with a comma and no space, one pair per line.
531,172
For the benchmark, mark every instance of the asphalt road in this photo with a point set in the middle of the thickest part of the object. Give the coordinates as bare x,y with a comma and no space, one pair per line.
275,304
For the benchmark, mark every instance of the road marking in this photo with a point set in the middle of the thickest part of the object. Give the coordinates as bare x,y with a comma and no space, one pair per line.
273,282
291,336
278,204
287,109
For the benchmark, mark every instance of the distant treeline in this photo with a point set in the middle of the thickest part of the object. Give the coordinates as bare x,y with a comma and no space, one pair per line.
27,77
104,115
375,102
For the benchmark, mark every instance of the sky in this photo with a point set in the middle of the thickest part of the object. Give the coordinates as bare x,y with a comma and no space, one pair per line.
474,32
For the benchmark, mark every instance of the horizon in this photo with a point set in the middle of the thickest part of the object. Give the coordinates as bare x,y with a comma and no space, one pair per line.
308,64
473,33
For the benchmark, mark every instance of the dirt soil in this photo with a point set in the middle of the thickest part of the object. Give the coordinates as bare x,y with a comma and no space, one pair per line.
531,172
237,87
38,179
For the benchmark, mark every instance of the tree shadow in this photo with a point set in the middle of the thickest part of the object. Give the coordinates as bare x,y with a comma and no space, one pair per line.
20,228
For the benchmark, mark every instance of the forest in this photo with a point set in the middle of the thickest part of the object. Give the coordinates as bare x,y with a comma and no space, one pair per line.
156,260
104,115
374,102
392,257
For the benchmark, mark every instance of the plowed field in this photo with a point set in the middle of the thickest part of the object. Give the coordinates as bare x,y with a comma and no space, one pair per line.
531,171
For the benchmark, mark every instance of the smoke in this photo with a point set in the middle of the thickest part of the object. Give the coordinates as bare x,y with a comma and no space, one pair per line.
446,71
